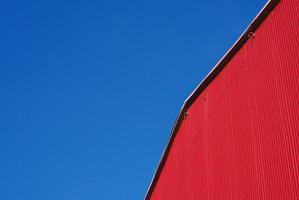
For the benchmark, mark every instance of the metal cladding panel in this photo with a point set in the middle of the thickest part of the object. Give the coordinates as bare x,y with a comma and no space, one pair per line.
240,137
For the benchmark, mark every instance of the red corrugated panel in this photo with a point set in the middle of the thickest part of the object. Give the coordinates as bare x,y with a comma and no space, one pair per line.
240,139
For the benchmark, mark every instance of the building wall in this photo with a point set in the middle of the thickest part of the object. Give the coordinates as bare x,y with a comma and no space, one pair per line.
240,139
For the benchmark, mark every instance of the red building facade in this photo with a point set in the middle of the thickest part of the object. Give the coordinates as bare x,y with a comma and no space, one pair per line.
237,135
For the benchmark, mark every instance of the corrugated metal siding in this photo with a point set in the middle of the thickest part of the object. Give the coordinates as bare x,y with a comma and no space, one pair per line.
240,139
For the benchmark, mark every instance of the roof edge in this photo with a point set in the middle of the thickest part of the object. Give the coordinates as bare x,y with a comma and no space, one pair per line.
260,17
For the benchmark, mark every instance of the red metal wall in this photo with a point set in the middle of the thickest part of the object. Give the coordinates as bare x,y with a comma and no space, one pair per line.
240,139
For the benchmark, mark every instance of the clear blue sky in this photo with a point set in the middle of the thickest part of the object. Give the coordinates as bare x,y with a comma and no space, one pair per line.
91,89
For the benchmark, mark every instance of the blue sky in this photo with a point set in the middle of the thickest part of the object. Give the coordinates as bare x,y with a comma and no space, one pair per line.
91,89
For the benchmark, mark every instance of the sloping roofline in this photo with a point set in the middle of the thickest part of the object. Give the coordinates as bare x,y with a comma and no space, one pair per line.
261,16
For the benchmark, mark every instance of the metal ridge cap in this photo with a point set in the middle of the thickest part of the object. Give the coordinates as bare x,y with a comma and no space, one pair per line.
260,17
165,153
